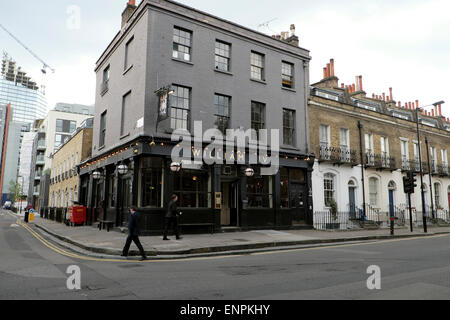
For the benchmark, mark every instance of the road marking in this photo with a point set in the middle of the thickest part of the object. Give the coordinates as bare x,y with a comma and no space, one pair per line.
352,245
86,258
14,225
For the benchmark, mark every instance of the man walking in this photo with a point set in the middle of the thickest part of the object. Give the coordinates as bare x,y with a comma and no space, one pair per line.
133,233
171,219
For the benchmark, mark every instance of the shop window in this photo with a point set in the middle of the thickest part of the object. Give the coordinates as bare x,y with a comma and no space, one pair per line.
151,183
111,191
259,190
192,188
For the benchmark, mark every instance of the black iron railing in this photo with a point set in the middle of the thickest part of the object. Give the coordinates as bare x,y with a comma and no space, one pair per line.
342,155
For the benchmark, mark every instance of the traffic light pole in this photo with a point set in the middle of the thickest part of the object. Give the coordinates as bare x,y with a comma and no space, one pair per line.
410,212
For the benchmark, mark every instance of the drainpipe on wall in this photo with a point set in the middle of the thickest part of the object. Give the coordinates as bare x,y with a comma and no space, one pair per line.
360,127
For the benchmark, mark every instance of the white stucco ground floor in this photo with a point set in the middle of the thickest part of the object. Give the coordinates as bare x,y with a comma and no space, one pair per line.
383,193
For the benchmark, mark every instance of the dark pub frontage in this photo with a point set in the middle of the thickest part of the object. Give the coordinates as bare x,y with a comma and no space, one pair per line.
217,197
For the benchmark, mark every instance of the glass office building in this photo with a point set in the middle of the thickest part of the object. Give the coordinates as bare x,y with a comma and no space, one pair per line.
28,104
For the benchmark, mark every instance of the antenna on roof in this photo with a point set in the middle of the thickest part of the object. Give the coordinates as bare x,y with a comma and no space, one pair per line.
266,24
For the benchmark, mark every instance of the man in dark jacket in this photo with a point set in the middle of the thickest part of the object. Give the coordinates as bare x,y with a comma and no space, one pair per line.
171,219
133,233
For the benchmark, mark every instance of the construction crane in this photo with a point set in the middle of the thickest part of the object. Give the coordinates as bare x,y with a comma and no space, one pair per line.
45,65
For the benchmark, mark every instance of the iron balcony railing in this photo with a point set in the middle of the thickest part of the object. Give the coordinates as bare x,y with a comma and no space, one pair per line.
406,164
443,169
342,155
380,161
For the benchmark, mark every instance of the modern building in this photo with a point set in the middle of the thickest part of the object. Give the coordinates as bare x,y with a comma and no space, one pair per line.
366,145
210,70
25,162
27,103
58,127
64,179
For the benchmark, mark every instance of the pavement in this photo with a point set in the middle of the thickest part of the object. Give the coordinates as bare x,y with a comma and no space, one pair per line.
92,242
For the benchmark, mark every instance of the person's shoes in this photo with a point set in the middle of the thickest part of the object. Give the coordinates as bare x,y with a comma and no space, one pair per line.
124,255
143,258
166,239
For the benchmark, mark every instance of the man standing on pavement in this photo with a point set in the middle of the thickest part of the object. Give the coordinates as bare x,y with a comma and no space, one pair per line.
133,233
172,215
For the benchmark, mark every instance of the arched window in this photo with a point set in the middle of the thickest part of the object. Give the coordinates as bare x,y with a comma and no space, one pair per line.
351,184
437,195
373,191
328,188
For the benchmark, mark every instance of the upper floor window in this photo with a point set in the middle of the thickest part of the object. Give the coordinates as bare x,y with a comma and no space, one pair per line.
324,135
182,42
105,82
223,55
222,112
125,110
288,127
102,129
287,74
258,117
444,157
180,105
257,66
128,53
65,126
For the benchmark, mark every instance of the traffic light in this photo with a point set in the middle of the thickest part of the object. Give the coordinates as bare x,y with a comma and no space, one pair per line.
409,183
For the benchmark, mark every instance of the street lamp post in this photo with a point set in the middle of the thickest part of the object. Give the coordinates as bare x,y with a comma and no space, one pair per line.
429,174
421,173
21,195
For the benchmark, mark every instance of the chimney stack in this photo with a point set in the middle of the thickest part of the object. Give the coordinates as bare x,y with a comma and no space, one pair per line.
128,12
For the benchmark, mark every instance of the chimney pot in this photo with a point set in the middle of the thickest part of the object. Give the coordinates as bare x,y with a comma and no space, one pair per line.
328,70
390,94
332,67
360,84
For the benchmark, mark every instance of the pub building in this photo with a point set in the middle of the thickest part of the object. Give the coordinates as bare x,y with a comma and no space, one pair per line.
171,65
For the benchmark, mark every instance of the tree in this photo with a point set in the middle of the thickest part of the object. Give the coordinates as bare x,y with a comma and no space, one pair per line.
14,191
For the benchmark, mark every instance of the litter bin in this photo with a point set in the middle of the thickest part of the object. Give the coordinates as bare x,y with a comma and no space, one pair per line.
27,214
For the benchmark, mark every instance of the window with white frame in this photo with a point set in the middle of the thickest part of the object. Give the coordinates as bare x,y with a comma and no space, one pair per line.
257,66
287,75
369,149
437,195
222,56
433,159
328,189
345,144
324,137
373,192
182,42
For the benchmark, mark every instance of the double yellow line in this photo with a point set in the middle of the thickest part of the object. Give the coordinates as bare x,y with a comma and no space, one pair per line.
86,258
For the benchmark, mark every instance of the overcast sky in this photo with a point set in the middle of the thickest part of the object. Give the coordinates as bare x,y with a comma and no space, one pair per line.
404,44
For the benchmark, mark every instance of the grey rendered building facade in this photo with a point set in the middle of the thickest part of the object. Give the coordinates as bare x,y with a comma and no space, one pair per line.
163,44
